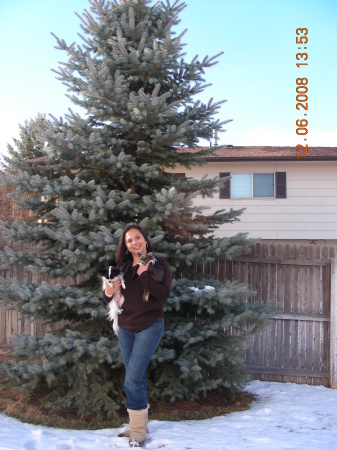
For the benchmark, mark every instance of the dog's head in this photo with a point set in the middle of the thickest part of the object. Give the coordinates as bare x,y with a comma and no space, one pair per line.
146,258
109,273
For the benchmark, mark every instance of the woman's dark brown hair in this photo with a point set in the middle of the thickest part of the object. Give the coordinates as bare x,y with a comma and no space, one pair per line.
122,255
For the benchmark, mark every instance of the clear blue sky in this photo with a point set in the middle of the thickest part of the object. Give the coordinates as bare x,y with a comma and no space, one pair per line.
256,74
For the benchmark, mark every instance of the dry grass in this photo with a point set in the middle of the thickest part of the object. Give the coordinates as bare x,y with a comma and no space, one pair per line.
15,404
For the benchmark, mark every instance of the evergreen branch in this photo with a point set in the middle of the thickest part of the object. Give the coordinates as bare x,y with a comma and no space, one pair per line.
143,124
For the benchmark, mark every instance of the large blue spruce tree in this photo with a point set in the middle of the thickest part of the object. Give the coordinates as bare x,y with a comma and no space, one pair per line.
103,169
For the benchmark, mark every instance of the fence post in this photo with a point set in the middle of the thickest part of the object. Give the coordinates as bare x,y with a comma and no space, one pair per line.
333,325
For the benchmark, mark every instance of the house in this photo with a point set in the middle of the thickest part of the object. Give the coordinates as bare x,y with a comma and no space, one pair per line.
287,195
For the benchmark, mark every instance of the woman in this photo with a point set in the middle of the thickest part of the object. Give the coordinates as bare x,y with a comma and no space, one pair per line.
141,324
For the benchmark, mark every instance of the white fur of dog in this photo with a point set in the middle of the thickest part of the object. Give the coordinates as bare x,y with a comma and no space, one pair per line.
115,304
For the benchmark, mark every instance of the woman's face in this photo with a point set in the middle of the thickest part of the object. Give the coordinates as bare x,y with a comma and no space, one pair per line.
135,242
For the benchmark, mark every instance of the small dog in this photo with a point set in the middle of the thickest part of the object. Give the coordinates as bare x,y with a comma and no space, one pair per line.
108,276
155,270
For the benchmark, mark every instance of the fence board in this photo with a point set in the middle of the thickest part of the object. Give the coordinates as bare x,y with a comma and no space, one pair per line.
296,345
333,326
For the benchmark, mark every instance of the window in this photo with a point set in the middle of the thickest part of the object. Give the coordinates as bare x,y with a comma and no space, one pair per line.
241,185
263,185
254,185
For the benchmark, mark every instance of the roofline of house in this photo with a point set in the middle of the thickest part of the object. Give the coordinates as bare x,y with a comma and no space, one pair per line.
233,153
253,153
268,158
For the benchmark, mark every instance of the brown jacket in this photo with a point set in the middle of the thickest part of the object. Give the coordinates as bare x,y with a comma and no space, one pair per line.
139,314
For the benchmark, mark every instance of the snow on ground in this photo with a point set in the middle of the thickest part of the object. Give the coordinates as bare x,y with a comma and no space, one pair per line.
286,416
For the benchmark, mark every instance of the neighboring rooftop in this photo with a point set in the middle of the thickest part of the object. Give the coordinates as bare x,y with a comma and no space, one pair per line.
253,153
262,153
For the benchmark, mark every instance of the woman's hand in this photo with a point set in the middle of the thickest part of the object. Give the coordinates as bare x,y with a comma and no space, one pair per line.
142,269
111,290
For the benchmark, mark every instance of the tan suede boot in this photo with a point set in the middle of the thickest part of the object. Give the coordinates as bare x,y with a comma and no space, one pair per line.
126,431
138,426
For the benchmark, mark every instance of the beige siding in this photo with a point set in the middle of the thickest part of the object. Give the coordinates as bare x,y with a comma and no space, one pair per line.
309,212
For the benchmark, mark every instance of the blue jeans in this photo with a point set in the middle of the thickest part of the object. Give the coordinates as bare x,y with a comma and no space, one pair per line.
137,350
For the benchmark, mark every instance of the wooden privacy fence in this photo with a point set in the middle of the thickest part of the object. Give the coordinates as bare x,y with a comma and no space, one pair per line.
300,344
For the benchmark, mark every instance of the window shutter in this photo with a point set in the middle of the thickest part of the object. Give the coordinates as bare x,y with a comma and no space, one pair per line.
281,185
225,191
179,175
